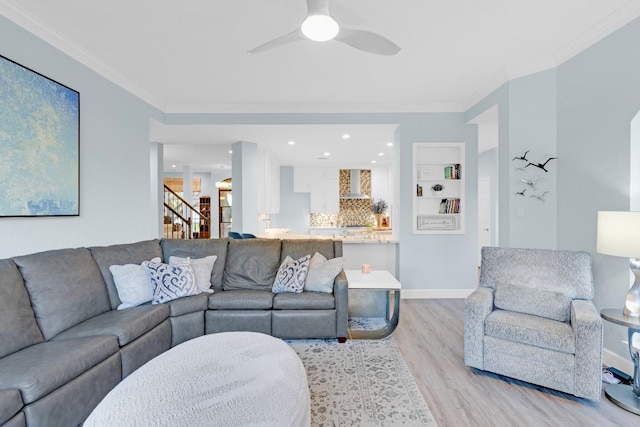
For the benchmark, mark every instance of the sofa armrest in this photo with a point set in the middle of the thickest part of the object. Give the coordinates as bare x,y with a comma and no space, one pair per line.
341,295
588,330
477,307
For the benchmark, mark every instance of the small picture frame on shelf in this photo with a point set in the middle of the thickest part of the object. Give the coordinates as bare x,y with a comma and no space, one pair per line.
424,173
436,222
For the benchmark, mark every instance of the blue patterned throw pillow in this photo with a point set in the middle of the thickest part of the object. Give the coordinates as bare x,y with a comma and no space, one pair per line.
291,275
171,281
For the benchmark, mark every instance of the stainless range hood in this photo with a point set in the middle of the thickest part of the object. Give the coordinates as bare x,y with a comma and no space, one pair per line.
354,187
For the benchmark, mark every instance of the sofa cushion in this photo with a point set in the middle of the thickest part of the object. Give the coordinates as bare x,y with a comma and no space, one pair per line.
42,368
297,248
171,281
127,324
199,249
542,300
10,404
304,301
251,264
241,299
18,327
133,282
291,275
202,269
322,273
128,253
532,330
65,287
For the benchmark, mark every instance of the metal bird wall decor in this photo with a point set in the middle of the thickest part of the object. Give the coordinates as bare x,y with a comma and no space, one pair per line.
523,157
541,165
539,196
531,182
521,193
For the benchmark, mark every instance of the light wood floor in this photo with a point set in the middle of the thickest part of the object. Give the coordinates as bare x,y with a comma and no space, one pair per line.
430,337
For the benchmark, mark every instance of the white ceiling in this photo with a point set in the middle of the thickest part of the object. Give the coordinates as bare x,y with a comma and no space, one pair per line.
192,56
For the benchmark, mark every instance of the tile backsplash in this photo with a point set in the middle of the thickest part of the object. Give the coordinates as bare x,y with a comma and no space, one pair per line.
353,212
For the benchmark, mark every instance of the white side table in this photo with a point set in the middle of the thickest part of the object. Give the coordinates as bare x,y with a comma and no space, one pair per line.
377,280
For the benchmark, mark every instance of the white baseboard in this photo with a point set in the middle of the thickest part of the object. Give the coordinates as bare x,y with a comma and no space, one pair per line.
609,358
435,293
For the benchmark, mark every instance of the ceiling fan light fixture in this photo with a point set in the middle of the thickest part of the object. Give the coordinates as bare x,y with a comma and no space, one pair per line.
320,28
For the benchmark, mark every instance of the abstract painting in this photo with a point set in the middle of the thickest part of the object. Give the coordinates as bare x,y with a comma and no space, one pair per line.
39,144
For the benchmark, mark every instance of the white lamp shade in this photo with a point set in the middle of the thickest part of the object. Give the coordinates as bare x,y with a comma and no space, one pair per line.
619,233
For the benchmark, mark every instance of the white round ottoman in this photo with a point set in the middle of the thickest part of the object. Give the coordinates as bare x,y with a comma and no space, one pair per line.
224,379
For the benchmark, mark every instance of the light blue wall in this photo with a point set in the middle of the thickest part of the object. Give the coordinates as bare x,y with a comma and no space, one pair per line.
116,202
294,207
500,97
583,111
532,126
437,261
598,97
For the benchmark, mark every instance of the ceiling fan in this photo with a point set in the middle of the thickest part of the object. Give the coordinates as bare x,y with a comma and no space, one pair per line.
320,26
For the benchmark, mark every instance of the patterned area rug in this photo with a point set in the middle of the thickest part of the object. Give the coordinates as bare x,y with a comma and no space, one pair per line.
361,383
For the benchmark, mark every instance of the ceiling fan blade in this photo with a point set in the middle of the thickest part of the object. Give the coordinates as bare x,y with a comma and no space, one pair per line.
367,41
291,37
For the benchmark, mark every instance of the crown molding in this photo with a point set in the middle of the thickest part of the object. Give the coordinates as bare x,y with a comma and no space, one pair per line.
311,108
614,21
30,23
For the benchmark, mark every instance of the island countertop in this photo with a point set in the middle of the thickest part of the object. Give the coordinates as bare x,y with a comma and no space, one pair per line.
374,239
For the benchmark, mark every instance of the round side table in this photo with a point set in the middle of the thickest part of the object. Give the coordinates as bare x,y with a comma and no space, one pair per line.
625,396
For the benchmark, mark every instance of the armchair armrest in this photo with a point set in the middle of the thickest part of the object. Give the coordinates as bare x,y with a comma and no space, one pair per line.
587,327
341,295
477,306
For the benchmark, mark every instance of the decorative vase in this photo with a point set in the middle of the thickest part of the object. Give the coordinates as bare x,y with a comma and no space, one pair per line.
378,220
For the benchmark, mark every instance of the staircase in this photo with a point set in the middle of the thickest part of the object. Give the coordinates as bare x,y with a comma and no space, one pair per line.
181,219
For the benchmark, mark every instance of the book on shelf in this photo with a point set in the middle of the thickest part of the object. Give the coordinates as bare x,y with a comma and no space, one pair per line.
449,206
452,172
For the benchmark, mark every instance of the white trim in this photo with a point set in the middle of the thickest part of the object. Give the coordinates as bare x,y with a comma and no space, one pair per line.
609,358
435,293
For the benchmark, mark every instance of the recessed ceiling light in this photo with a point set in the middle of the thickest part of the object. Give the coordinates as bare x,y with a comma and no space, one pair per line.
230,151
381,154
346,136
389,144
291,143
326,154
374,161
173,166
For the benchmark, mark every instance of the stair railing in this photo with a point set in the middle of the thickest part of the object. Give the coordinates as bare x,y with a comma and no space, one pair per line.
181,219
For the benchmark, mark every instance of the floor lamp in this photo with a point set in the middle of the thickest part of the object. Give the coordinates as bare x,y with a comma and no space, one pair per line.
619,234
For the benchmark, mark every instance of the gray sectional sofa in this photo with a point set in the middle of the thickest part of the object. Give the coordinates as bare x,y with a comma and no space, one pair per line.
64,345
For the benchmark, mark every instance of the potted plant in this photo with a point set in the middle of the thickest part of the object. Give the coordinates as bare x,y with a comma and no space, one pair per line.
379,207
437,188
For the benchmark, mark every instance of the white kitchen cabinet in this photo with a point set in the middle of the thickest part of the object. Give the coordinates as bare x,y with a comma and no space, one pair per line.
380,184
302,180
324,186
325,197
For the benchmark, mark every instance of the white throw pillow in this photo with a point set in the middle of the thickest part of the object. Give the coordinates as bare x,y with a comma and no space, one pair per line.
322,273
171,281
202,268
133,283
291,275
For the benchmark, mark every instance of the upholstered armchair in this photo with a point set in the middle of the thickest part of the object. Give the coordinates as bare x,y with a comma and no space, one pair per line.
532,319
